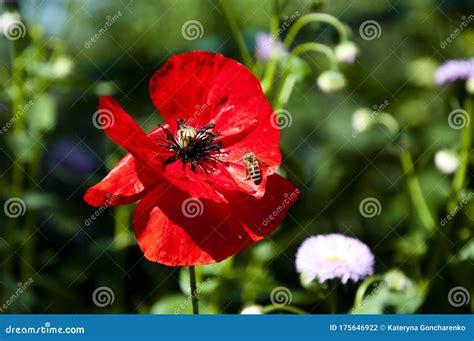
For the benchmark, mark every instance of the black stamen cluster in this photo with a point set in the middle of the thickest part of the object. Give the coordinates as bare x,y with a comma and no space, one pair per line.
201,152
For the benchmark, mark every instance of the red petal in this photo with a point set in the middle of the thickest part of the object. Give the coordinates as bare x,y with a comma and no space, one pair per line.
124,184
264,143
123,130
167,236
201,87
171,233
262,215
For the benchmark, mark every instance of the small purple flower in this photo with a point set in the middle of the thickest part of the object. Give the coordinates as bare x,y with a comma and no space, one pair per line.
266,45
453,70
333,256
71,156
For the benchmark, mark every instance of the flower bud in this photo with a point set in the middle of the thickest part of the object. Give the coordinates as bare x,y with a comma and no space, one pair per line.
346,52
397,280
331,81
252,310
446,161
470,85
361,119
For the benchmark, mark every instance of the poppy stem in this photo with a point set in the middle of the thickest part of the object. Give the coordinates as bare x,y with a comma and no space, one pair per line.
194,294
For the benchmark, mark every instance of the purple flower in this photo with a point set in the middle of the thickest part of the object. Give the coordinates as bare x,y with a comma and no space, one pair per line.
456,69
334,256
71,156
266,45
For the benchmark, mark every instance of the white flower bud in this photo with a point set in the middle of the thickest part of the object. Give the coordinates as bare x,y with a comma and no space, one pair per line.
331,81
470,85
346,52
446,161
252,310
361,120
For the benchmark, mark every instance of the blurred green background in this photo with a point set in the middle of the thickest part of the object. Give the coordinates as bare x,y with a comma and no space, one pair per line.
51,79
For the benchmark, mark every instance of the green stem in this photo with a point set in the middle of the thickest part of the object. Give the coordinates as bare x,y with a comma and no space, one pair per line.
270,69
317,47
271,308
415,191
332,299
234,28
285,90
194,294
29,234
363,288
18,175
315,17
122,220
459,179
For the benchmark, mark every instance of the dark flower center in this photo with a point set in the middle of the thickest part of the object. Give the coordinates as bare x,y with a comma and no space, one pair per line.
199,148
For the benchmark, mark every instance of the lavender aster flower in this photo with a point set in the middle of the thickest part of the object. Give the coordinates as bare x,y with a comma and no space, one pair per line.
266,45
452,70
334,256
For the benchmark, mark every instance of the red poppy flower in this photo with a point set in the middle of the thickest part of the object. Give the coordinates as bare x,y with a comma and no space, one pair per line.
200,200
